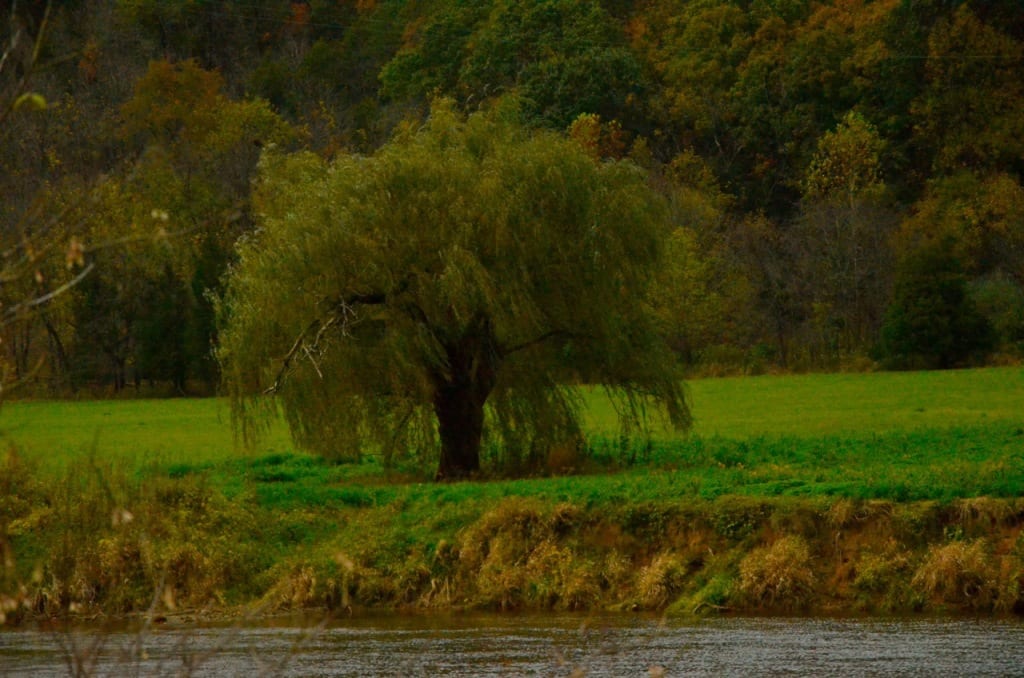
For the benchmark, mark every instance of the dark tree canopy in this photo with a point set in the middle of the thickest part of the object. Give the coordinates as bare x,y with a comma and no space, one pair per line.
932,322
450,289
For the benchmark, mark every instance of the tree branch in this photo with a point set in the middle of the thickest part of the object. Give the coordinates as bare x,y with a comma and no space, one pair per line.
552,334
340,313
13,311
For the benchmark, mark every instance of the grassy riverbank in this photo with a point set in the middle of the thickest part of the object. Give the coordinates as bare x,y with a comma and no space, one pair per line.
880,492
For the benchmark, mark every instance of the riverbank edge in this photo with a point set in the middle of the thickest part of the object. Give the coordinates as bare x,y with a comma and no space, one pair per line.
731,555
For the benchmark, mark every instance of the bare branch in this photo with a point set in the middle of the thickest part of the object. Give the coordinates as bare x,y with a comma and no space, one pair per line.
287,361
10,314
342,314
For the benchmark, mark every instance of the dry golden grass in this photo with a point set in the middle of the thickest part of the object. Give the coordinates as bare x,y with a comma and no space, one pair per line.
778,575
846,512
985,512
960,573
659,583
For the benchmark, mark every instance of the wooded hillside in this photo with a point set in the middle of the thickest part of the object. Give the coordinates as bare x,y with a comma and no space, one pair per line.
844,177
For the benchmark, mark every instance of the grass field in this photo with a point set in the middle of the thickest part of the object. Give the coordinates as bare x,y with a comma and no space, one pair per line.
915,471
794,407
901,436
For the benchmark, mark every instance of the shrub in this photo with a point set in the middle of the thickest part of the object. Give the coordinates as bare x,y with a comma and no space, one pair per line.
1001,301
932,322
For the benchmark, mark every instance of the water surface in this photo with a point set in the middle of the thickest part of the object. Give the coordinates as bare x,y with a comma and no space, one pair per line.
533,645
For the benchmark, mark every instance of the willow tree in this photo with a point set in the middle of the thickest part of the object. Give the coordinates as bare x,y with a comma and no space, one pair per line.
455,287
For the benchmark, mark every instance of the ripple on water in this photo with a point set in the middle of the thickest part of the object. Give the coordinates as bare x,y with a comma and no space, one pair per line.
533,645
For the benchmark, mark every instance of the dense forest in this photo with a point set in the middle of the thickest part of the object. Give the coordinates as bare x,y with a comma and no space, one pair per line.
844,176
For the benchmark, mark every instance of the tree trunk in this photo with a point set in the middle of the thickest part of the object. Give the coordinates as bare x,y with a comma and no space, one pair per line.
460,421
460,393
62,369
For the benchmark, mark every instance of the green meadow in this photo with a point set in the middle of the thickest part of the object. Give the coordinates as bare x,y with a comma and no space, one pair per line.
793,406
892,435
877,488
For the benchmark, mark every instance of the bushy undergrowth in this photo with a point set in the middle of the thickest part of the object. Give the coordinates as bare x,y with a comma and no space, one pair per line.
289,534
99,539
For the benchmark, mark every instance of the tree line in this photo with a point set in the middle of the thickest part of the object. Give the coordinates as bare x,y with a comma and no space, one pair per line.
842,178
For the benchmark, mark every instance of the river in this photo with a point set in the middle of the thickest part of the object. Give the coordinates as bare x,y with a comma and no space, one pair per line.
531,645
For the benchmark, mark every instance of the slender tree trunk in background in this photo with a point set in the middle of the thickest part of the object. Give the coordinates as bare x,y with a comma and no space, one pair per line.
62,376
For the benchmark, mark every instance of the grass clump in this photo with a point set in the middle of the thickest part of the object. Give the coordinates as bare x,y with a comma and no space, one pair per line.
966,574
883,583
514,556
661,581
778,575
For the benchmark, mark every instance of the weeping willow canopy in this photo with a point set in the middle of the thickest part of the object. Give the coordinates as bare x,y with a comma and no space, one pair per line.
452,289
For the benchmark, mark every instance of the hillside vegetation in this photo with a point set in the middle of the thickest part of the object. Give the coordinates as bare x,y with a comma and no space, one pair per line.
843,176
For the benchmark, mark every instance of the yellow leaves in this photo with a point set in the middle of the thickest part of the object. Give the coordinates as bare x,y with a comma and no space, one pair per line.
586,131
75,253
172,100
846,163
852,16
984,216
971,104
599,140
32,101
636,29
180,106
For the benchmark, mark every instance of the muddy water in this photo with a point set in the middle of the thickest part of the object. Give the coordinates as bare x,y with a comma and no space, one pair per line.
549,645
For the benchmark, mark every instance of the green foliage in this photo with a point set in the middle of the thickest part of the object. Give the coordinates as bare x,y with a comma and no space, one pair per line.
563,57
467,262
432,63
816,126
700,295
932,322
1001,301
163,235
737,422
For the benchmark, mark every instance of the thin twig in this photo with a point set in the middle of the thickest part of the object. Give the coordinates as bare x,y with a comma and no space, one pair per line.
13,311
